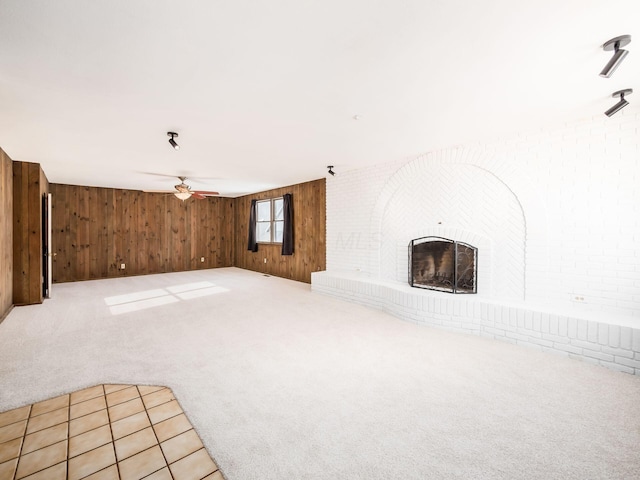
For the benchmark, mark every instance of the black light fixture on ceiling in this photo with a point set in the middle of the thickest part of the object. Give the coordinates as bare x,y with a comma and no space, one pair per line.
172,142
621,104
331,172
615,44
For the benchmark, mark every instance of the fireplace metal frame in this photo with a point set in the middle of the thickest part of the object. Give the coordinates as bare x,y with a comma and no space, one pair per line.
454,288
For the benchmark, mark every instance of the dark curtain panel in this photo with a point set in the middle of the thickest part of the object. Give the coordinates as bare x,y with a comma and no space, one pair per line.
253,214
287,237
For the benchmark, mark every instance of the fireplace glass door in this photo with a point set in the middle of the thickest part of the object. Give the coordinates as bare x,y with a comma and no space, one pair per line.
437,263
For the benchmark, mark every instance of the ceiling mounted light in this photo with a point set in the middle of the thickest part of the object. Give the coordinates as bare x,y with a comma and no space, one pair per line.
331,172
621,104
183,195
615,44
172,142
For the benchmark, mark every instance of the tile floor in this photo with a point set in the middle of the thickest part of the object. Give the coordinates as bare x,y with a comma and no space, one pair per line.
119,432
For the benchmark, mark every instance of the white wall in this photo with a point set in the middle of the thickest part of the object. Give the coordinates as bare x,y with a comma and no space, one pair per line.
555,215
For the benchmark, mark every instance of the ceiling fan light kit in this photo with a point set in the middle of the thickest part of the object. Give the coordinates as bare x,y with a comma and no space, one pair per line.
184,192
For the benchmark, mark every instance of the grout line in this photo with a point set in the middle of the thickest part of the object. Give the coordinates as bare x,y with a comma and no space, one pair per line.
154,433
24,436
68,438
113,443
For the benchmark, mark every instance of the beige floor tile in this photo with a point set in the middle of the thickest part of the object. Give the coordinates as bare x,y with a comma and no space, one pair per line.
45,437
10,449
87,394
158,398
109,473
164,411
41,459
129,425
135,443
114,388
193,467
88,422
126,409
89,440
88,406
142,464
15,415
50,405
163,474
217,475
47,420
12,431
57,472
147,389
172,427
122,396
91,462
180,446
8,469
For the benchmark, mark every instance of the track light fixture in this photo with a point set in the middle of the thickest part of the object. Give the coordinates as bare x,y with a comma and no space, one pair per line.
621,104
172,142
331,172
615,44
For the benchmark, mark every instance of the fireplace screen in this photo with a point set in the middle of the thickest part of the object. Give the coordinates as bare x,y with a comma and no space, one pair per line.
441,264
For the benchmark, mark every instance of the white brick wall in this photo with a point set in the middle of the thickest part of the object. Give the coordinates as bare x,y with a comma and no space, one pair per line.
555,214
558,210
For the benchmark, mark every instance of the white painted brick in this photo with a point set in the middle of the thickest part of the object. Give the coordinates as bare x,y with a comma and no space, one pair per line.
618,352
599,355
544,323
592,328
617,366
636,339
572,328
582,329
568,348
614,335
591,360
586,345
603,334
626,338
628,362
555,338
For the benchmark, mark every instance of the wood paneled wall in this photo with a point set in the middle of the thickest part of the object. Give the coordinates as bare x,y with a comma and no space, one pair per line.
309,234
95,230
29,186
6,234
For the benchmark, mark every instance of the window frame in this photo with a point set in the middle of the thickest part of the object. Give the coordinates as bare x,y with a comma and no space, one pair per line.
272,221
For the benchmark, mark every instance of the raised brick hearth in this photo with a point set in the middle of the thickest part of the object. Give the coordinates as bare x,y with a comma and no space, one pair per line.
612,346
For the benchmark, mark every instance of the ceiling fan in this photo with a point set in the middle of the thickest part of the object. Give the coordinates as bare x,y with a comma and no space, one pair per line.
183,191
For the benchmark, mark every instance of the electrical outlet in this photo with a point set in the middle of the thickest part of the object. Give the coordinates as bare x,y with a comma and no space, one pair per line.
265,260
122,266
202,259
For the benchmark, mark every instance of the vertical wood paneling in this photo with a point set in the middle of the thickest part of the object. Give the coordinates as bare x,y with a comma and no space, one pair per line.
6,233
149,233
29,186
309,234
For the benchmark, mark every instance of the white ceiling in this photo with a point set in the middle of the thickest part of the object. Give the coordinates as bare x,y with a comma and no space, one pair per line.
263,93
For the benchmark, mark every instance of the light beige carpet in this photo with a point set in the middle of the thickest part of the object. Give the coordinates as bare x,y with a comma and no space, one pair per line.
281,383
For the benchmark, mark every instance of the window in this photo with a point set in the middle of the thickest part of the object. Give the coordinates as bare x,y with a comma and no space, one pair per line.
270,220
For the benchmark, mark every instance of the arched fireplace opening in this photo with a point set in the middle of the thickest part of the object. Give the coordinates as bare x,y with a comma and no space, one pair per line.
437,263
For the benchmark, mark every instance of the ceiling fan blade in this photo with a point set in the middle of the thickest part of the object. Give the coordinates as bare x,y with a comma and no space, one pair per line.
205,192
159,191
198,196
